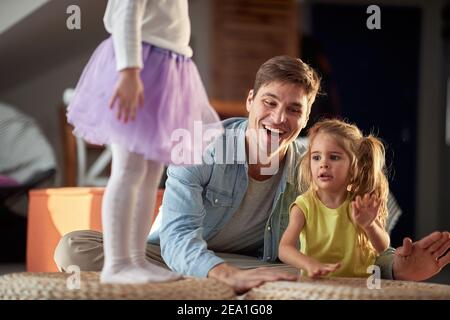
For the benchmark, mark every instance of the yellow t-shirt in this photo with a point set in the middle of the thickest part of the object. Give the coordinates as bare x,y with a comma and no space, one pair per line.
330,236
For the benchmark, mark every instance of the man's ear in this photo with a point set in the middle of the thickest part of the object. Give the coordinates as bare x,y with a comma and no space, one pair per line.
249,100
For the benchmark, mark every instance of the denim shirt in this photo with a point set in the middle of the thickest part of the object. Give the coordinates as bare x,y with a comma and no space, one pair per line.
199,200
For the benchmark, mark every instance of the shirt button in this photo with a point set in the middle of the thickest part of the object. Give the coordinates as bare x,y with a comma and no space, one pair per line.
217,200
268,228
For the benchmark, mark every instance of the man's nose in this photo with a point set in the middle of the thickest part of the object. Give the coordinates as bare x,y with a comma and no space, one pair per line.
279,115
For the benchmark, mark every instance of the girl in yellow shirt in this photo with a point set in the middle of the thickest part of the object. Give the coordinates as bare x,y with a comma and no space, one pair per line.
340,216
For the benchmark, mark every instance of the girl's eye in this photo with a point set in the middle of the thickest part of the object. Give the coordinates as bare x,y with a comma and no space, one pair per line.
334,157
316,158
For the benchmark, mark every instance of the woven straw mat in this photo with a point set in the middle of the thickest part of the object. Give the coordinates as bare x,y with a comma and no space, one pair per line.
348,289
31,286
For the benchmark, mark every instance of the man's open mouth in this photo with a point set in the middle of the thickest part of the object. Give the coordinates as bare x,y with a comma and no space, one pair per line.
273,130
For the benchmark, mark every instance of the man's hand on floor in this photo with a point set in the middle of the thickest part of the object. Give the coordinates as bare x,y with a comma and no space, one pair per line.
244,280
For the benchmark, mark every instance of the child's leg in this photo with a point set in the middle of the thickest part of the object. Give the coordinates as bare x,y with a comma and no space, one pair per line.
119,202
141,224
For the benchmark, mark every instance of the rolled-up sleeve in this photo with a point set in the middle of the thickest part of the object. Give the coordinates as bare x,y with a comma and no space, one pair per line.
181,234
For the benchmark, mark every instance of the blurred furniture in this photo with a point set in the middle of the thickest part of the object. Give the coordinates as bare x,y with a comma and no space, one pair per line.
12,191
92,175
229,108
69,150
13,220
84,163
26,161
53,213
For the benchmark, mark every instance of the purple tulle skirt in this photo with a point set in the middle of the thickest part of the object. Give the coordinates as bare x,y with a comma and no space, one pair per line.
174,126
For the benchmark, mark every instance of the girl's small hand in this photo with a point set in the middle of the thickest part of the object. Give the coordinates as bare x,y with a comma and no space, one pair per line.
129,92
318,269
365,210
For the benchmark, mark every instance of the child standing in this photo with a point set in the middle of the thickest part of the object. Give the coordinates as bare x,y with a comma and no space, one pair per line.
341,216
138,87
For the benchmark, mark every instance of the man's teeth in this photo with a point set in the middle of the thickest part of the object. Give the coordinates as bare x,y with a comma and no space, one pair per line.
275,130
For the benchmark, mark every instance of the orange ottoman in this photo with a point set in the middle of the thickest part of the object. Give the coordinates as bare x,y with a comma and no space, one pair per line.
54,212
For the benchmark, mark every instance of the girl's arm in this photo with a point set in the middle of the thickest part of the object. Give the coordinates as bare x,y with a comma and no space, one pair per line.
124,19
290,254
378,236
365,214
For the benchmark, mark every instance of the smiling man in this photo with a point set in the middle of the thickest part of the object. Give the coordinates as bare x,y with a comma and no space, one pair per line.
224,219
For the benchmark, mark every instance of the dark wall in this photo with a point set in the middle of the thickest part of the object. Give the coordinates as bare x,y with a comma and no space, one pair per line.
376,73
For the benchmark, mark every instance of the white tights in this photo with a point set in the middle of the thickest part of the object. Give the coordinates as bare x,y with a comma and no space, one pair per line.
127,209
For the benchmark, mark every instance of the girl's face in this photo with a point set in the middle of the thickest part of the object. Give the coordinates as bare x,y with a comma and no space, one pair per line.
330,164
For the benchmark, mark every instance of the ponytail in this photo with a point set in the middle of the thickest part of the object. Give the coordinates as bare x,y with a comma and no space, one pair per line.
370,178
370,173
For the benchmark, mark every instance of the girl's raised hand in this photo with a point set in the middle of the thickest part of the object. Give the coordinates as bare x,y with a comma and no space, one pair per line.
128,94
365,210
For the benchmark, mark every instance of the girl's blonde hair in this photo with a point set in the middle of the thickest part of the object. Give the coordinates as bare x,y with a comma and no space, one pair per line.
367,166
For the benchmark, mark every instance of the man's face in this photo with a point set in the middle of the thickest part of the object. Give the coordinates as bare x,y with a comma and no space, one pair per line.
278,111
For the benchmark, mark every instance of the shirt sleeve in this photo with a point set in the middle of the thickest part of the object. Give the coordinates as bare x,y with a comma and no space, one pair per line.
126,32
301,202
181,234
386,261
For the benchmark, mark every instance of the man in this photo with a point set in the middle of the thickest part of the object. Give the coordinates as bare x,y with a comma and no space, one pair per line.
224,218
